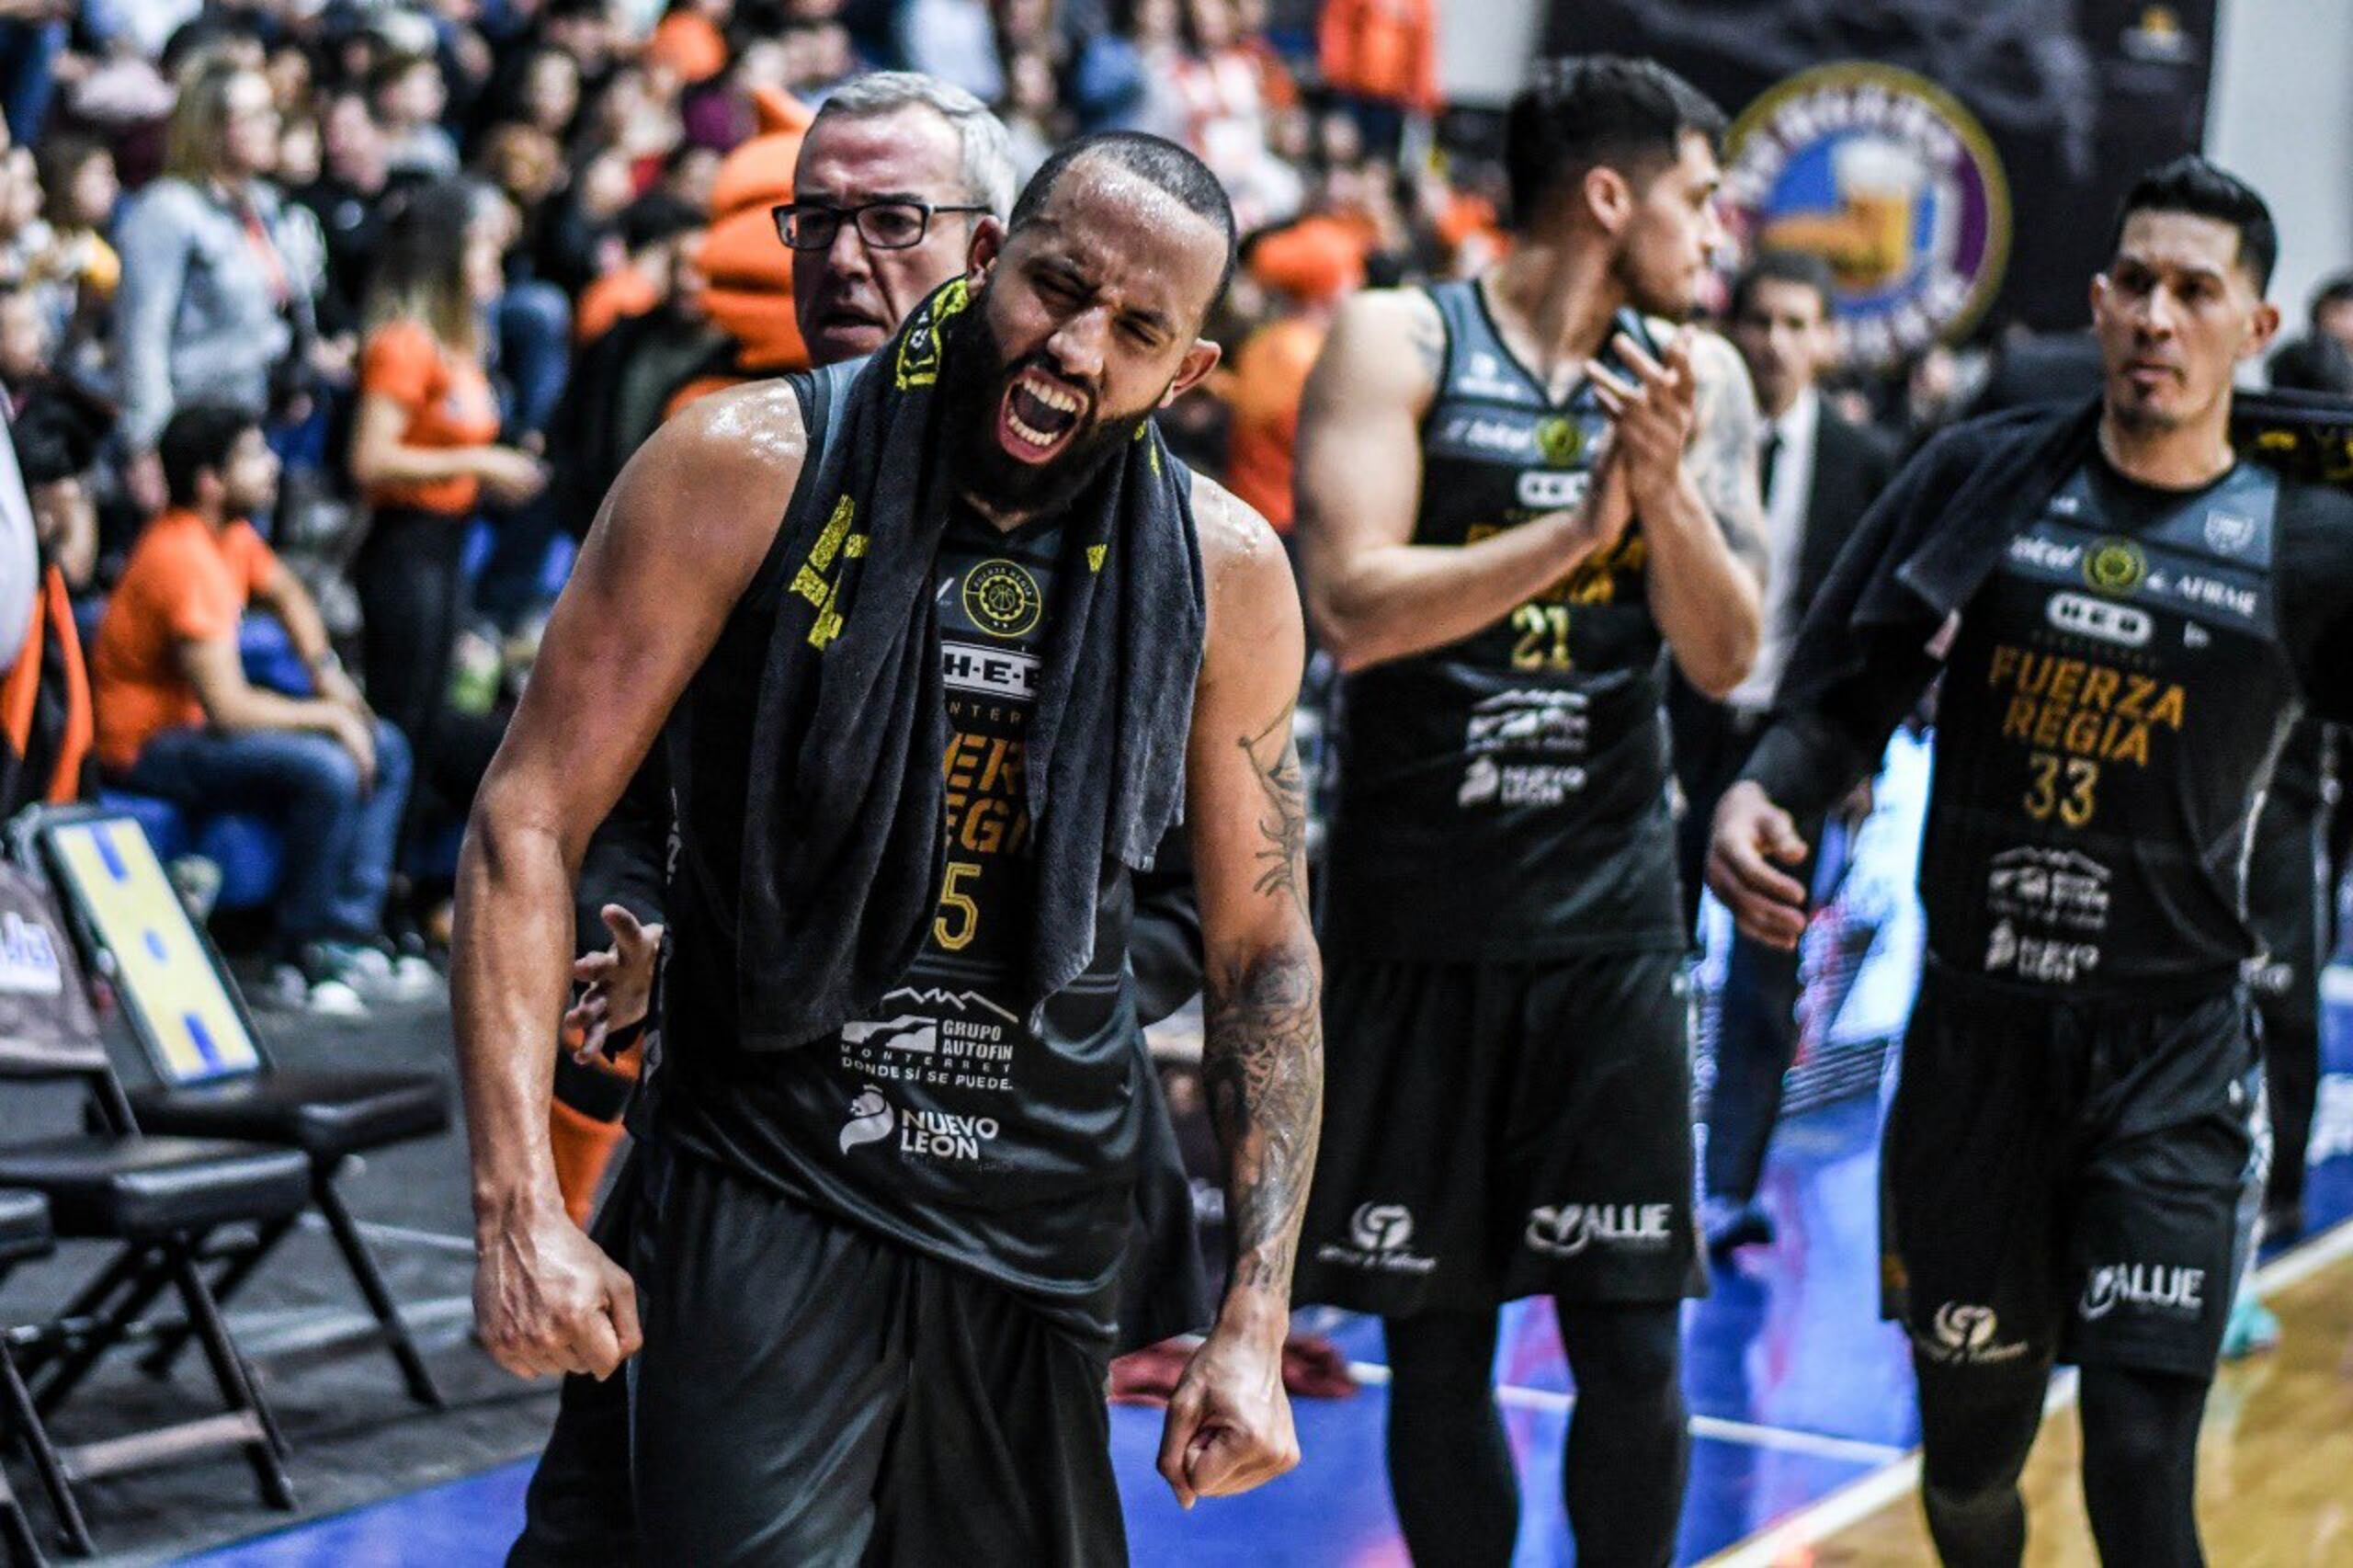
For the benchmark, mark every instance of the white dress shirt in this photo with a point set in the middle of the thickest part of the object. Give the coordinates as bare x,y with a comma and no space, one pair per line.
1785,503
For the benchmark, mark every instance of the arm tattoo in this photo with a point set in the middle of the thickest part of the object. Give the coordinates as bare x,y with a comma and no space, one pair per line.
1262,1066
1722,459
1282,825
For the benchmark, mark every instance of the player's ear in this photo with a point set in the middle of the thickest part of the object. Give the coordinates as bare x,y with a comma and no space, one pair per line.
1199,361
1608,196
2261,329
988,244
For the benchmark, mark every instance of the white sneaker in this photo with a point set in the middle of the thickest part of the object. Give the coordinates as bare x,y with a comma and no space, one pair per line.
327,995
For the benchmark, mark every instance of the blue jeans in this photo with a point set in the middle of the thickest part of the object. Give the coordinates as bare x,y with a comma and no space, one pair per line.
339,840
533,323
29,53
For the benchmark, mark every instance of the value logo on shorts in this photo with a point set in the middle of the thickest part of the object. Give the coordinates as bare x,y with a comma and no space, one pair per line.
1570,1228
1379,1238
1889,179
1003,599
2144,1288
1963,1334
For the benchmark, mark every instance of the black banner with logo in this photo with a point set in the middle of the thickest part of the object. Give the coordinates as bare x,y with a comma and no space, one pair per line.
1957,162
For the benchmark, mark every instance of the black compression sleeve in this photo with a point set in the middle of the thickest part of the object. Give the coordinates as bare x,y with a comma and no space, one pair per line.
1817,751
2314,570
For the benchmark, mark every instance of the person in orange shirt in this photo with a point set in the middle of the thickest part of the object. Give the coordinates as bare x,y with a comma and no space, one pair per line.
424,451
177,718
1381,57
1309,267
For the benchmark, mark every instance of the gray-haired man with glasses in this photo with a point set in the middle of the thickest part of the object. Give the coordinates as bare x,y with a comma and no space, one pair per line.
918,166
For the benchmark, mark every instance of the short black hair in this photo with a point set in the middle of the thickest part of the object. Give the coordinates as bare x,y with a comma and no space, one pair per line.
2334,289
60,430
198,438
1802,267
657,217
1153,158
1584,110
2316,364
2192,185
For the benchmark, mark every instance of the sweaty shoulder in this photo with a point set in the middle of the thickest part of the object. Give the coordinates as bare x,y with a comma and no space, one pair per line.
1243,564
715,478
1387,346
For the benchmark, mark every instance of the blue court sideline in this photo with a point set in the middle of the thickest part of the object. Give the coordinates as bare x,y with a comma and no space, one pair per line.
1796,1389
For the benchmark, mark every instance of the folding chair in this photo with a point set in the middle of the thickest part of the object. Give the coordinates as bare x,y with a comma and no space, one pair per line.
24,1235
161,1199
214,1080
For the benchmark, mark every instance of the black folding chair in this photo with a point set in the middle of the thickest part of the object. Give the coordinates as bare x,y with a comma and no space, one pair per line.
161,1200
214,1078
24,1235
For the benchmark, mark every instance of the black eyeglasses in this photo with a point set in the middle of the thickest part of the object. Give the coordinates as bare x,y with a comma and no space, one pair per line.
893,224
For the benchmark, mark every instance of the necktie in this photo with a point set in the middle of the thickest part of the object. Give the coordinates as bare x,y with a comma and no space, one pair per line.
1767,459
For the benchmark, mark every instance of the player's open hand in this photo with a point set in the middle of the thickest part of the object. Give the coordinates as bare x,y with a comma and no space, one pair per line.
1751,834
617,983
1228,1426
547,1299
1654,414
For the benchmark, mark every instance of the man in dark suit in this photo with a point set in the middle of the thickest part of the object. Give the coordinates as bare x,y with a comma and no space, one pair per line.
1819,473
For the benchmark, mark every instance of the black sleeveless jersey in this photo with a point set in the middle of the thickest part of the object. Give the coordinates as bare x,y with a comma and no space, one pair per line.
941,1122
2113,691
1506,796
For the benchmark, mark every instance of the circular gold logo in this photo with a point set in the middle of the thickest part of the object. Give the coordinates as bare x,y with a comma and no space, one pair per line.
1003,599
1560,441
2115,566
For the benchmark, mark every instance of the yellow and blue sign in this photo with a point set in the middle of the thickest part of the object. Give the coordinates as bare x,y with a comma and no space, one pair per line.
163,971
1888,178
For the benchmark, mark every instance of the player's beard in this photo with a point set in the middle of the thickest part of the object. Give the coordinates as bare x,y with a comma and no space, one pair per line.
973,379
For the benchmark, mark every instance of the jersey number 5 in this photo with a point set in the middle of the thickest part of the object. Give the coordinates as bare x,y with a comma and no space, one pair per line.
959,919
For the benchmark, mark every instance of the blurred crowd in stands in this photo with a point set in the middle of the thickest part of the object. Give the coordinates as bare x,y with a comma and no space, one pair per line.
350,311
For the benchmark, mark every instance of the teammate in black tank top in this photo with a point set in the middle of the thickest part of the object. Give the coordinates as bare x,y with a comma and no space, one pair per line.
860,1323
2129,620
1516,502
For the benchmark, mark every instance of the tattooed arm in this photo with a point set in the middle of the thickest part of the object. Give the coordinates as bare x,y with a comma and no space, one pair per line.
1374,595
1688,427
1229,1425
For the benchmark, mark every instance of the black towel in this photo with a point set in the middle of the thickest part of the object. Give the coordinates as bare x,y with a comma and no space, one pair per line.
845,838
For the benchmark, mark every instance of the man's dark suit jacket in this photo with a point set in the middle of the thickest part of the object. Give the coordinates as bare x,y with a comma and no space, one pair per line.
1852,466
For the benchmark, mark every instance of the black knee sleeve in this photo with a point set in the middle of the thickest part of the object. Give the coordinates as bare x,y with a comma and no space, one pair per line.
2141,1465
1629,1450
1450,1464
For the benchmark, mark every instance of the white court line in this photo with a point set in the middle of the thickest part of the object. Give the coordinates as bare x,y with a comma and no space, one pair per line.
333,1327
1849,1504
437,1240
1787,1439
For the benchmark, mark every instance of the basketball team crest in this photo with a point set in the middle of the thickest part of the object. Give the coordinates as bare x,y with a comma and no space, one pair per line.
1889,179
1003,599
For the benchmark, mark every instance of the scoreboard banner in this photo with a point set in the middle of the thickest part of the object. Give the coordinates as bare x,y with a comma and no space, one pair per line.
1914,143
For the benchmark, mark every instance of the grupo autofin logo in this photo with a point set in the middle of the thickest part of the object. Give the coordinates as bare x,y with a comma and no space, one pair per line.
1887,177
